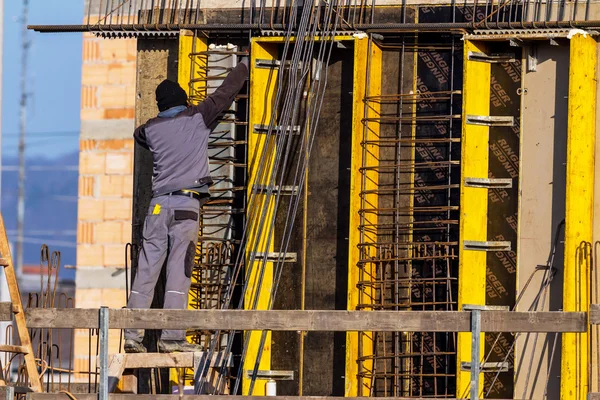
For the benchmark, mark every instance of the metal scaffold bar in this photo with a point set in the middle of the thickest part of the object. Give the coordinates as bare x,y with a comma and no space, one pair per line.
581,135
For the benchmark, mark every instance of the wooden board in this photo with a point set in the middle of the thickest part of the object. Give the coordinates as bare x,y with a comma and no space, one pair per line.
60,396
155,360
333,321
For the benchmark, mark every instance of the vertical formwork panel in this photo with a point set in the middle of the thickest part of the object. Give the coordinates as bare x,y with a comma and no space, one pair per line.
503,211
581,134
473,201
260,209
362,243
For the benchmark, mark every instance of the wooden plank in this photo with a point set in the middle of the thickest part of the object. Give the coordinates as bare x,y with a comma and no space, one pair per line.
324,321
86,396
158,360
116,366
9,348
593,396
6,311
595,314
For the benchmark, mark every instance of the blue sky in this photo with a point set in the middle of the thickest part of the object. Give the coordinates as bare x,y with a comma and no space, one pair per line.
54,79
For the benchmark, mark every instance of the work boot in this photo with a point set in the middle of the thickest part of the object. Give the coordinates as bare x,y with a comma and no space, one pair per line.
131,346
177,346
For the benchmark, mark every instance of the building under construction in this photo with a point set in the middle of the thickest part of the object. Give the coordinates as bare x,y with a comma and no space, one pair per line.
428,167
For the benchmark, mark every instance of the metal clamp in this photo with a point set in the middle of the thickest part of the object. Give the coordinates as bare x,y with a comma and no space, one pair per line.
274,64
486,245
271,375
492,121
500,366
262,189
475,343
489,183
493,58
276,257
278,130
261,63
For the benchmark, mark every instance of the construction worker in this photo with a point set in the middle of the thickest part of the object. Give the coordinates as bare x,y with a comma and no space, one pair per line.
178,140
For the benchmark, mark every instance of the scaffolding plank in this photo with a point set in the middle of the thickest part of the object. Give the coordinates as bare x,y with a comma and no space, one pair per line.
310,320
581,135
6,311
88,396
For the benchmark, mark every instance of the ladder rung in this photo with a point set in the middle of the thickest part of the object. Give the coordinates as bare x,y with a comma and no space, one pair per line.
4,262
8,348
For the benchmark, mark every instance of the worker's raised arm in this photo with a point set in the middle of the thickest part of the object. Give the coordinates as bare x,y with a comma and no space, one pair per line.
222,98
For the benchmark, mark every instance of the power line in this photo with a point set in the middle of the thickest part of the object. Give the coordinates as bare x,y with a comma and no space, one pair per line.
13,168
45,134
46,232
62,243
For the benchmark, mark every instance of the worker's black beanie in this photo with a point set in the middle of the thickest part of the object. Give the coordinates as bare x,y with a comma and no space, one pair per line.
169,94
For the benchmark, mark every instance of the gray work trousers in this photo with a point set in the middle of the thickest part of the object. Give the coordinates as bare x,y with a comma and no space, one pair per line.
170,232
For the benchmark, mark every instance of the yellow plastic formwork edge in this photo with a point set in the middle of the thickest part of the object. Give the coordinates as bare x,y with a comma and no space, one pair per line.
367,57
263,87
579,211
473,201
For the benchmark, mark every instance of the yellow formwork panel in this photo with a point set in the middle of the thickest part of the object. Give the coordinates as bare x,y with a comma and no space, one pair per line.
367,57
473,201
262,97
190,68
579,210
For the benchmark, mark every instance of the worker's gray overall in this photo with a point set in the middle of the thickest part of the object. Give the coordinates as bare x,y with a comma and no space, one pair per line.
171,233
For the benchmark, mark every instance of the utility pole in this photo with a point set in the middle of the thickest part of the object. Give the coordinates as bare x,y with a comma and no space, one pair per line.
21,199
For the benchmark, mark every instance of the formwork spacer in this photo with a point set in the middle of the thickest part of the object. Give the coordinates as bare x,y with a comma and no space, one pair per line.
271,375
275,257
491,121
261,189
278,130
494,58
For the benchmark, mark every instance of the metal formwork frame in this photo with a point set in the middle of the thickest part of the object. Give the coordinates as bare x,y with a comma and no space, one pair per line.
363,195
473,200
579,212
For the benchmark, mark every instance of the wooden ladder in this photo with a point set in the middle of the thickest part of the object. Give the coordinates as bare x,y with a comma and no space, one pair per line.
17,308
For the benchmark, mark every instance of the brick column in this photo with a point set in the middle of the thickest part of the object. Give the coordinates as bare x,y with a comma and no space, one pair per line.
105,180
